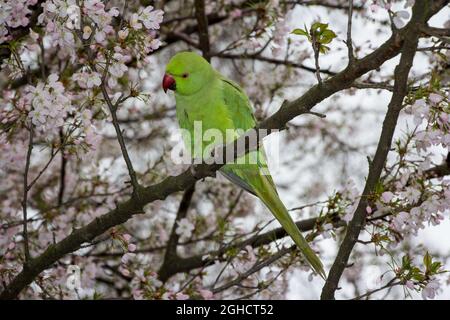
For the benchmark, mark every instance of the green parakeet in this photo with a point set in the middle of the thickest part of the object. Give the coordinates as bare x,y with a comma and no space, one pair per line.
205,96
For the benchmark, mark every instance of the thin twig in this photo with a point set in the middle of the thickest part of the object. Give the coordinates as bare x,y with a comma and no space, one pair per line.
25,196
255,268
62,177
202,21
351,56
390,284
113,110
316,46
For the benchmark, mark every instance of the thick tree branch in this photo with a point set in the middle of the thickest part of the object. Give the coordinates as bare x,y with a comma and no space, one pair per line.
390,121
440,170
435,32
197,261
160,191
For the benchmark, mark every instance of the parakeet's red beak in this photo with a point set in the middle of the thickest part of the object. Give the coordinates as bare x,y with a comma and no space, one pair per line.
168,83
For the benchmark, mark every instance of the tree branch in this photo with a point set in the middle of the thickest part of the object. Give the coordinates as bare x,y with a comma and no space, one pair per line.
255,268
171,255
202,22
440,170
351,56
390,121
62,170
390,284
113,110
26,248
435,32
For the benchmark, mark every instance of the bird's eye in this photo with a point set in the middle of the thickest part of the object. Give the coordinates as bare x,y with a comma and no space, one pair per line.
185,75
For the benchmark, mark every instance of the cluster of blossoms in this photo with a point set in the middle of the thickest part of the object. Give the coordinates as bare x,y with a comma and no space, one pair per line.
69,26
421,208
272,29
49,104
435,112
425,204
87,79
279,34
145,284
14,14
65,21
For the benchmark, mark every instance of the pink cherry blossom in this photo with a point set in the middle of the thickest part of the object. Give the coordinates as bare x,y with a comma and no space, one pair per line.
126,237
206,294
151,18
181,296
430,290
184,228
387,196
400,17
435,98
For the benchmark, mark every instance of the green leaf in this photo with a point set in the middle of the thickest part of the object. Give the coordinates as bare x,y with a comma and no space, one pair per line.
379,187
319,27
327,36
427,261
300,32
319,34
435,266
324,49
406,262
97,296
419,277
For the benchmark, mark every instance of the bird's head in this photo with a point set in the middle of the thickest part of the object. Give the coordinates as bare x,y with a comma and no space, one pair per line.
186,73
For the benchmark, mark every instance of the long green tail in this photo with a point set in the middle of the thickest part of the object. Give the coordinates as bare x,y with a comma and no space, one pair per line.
270,198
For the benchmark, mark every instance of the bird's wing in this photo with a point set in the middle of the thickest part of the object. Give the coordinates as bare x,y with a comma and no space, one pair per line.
238,105
241,113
